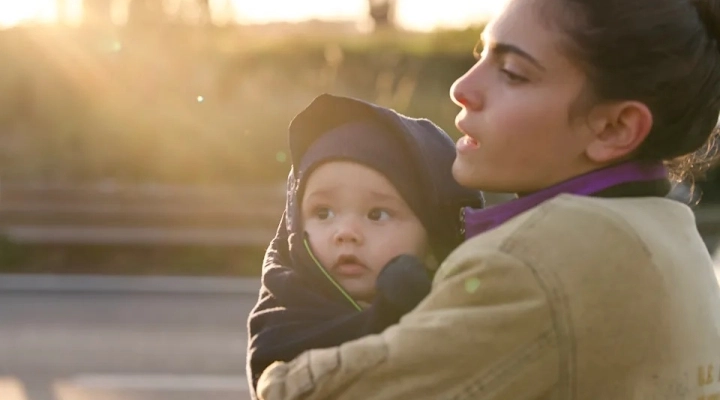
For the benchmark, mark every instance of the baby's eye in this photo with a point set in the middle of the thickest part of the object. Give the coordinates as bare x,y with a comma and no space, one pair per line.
323,213
378,214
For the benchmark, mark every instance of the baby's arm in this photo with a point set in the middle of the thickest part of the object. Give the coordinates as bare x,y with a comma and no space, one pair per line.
291,316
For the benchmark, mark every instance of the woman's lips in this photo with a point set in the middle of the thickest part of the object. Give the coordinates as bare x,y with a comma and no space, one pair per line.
466,144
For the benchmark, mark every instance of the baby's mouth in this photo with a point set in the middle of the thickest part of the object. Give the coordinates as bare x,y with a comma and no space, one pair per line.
349,265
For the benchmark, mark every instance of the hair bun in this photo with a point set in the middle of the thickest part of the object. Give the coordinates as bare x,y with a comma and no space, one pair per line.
709,12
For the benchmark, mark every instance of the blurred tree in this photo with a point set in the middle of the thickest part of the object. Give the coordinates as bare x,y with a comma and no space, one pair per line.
153,12
96,12
146,12
195,12
204,11
382,13
62,11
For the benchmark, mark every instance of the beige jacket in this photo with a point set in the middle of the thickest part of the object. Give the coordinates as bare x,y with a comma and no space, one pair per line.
580,298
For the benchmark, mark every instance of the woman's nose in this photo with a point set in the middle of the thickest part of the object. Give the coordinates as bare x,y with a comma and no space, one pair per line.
466,90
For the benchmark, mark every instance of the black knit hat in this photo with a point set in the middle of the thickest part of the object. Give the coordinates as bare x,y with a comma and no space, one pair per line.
415,154
370,144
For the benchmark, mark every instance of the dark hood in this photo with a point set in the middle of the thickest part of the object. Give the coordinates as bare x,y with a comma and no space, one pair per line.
432,153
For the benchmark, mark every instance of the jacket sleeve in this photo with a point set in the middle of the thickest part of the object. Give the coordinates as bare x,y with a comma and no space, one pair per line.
485,331
291,316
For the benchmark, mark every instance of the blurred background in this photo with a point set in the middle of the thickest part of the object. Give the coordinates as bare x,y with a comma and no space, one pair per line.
149,136
143,157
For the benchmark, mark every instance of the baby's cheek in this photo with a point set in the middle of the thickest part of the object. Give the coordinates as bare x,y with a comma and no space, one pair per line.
318,245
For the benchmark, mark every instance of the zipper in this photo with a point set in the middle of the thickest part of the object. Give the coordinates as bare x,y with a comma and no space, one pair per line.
330,278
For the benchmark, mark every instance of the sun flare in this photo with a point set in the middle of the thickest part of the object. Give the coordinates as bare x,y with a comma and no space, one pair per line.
410,13
13,13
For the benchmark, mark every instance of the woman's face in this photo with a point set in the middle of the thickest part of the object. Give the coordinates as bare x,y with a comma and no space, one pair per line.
516,105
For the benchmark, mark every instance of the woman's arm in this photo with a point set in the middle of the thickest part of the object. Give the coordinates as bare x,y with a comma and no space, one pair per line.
485,327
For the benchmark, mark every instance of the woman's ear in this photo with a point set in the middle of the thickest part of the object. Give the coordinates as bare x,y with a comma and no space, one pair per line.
618,129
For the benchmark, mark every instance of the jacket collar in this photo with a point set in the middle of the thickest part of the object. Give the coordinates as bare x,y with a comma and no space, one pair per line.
600,182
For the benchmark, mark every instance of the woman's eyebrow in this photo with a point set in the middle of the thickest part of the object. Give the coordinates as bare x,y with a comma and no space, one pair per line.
501,49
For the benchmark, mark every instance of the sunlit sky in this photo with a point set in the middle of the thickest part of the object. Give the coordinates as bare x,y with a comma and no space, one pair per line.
412,14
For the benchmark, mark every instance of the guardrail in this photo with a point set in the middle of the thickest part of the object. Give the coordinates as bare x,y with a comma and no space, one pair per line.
140,215
163,214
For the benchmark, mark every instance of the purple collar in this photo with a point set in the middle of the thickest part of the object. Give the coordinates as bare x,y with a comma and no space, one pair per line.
479,221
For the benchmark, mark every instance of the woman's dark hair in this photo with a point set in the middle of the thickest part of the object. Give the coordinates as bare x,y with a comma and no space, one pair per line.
663,53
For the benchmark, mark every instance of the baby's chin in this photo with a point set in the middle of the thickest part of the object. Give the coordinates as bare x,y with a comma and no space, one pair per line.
360,295
360,288
364,304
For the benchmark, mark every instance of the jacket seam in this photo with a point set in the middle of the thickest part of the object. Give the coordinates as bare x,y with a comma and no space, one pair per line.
495,376
558,303
561,328
557,296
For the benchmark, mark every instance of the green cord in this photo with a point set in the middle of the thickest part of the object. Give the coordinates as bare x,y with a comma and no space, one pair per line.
327,275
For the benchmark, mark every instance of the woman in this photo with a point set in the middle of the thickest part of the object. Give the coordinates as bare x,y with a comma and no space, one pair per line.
591,285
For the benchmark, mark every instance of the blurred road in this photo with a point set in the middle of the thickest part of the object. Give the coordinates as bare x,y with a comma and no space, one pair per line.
91,339
71,345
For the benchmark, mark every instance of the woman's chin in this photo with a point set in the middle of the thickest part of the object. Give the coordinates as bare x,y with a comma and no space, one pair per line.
463,174
469,175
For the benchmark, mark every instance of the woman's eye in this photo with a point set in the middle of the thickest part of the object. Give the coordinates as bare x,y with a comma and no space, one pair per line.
513,77
378,214
324,213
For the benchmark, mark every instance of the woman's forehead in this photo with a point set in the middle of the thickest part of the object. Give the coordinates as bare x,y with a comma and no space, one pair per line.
517,22
520,24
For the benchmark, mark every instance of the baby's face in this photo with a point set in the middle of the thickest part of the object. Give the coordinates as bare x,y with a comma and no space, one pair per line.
357,222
